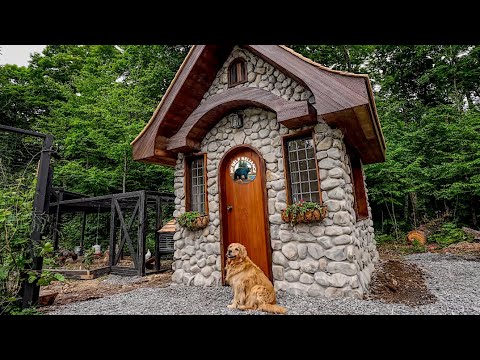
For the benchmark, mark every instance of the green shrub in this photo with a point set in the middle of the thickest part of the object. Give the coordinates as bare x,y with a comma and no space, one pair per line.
16,206
449,234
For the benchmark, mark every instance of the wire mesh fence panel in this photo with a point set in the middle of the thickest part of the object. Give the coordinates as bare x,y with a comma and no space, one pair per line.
19,161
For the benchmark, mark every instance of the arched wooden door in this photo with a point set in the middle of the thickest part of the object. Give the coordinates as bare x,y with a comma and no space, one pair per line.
243,208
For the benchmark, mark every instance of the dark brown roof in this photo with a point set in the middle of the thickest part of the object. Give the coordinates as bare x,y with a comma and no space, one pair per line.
344,100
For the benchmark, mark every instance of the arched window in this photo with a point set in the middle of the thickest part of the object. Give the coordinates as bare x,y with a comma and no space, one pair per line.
237,72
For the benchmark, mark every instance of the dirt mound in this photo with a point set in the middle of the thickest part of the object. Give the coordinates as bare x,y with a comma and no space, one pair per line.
396,281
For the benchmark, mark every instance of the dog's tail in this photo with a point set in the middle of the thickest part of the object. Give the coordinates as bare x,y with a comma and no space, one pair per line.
275,309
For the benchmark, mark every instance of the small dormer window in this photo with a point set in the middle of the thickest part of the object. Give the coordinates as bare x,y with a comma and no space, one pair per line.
237,72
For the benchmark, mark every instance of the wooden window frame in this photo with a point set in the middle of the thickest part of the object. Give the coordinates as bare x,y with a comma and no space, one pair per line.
360,203
239,63
188,179
298,135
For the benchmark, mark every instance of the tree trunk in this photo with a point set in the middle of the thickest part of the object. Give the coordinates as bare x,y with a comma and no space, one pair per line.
474,213
124,180
413,199
346,54
406,214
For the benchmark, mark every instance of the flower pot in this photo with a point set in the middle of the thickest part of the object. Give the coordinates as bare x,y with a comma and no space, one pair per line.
317,216
308,216
285,217
199,223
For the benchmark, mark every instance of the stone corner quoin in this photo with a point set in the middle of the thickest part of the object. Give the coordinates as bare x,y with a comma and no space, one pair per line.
333,258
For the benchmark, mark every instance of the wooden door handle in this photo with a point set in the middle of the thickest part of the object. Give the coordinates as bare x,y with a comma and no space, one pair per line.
229,207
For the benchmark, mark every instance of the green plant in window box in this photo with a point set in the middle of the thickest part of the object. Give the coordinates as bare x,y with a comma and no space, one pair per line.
304,212
193,220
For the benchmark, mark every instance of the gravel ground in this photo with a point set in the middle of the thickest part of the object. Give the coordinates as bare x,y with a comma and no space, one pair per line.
455,282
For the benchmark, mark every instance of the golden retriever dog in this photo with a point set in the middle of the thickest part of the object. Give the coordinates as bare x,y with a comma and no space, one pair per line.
251,288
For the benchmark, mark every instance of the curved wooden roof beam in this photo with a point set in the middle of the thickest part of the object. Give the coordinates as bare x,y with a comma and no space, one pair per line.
291,114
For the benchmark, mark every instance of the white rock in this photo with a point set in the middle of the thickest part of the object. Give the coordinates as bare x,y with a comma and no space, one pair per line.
315,251
317,230
189,250
278,184
323,174
275,219
321,155
333,292
277,272
276,245
207,271
270,158
333,230
306,279
271,206
282,196
341,218
328,163
354,282
322,264
325,144
292,275
264,133
279,206
330,183
325,241
209,249
336,173
334,153
342,240
316,290
336,253
179,244
211,260
290,251
322,278
295,265
309,266
302,251
201,263
341,267
199,280
178,276
339,280
279,259
216,248
333,205
212,147
239,137
297,289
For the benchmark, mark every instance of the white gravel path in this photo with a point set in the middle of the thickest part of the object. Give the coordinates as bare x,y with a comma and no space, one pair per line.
455,282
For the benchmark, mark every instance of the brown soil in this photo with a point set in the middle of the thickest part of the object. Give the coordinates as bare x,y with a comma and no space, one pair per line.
81,290
471,249
396,281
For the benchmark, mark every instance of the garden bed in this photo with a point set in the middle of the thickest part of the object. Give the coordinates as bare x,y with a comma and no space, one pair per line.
82,274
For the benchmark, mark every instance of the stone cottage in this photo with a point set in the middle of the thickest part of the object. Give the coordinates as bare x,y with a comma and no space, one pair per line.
250,129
